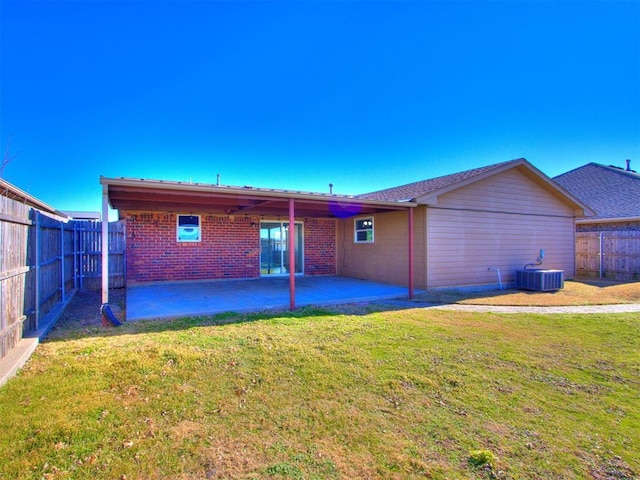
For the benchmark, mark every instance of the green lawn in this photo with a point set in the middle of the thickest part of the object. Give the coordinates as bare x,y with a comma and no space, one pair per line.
315,395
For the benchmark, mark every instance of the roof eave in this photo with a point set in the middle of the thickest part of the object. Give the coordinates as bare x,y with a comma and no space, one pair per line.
608,220
250,191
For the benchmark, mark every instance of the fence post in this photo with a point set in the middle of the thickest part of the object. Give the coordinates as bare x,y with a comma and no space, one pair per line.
62,286
75,255
123,243
37,268
600,253
81,241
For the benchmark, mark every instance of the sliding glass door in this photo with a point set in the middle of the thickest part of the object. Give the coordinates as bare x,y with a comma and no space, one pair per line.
274,248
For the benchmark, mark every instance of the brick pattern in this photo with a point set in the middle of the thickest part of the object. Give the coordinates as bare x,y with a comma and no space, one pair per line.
320,247
230,248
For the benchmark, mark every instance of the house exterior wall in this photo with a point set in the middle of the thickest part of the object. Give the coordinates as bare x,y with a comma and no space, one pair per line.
387,258
320,247
501,222
229,248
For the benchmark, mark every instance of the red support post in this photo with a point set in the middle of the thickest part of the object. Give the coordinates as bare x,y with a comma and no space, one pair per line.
410,252
292,255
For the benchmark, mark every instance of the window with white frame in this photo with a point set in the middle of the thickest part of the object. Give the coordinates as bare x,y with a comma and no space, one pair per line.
363,229
188,228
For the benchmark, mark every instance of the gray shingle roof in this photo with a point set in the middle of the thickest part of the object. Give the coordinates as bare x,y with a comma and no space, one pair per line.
610,191
414,190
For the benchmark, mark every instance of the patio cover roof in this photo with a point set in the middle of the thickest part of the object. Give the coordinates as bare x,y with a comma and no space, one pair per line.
185,197
158,195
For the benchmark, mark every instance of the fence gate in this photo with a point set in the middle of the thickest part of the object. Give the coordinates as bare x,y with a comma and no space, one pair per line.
614,255
90,254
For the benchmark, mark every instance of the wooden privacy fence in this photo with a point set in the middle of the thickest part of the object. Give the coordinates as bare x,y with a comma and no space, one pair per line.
613,255
44,260
90,254
14,227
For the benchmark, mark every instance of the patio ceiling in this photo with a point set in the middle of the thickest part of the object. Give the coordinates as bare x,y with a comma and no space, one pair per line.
162,196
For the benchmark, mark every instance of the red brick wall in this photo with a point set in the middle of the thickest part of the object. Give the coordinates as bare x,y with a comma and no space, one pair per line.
230,248
320,247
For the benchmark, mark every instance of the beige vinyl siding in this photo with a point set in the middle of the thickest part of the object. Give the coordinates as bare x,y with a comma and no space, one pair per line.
387,258
502,222
510,191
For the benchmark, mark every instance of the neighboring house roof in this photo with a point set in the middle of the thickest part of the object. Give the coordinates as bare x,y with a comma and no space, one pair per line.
612,192
427,191
82,215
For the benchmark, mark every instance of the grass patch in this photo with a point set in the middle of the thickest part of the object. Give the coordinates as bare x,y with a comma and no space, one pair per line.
314,395
585,292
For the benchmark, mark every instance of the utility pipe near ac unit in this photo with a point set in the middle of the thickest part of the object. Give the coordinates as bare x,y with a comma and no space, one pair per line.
497,270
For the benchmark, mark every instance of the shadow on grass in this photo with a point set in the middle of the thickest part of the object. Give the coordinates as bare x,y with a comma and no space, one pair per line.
576,292
82,317
70,330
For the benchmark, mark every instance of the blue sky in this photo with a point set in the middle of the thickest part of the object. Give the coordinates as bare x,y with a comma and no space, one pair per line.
300,94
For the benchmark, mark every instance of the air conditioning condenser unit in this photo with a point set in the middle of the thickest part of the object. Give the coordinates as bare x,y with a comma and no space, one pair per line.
541,280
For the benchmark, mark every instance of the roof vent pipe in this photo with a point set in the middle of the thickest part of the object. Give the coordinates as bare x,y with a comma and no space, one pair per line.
218,180
628,165
331,188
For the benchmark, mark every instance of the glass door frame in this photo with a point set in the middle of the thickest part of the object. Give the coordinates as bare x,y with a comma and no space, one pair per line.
285,248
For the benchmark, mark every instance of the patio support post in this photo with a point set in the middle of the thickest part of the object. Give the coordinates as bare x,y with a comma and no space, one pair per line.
410,212
291,238
105,244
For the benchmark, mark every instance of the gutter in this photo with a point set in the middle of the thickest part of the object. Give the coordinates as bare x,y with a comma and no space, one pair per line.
607,220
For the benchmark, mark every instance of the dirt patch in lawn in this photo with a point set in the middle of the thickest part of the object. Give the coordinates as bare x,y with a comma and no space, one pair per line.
83,311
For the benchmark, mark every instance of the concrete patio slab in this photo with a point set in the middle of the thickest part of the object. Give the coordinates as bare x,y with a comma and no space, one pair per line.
170,300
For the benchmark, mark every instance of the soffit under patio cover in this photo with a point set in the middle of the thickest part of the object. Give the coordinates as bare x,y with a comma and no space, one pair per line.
127,194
